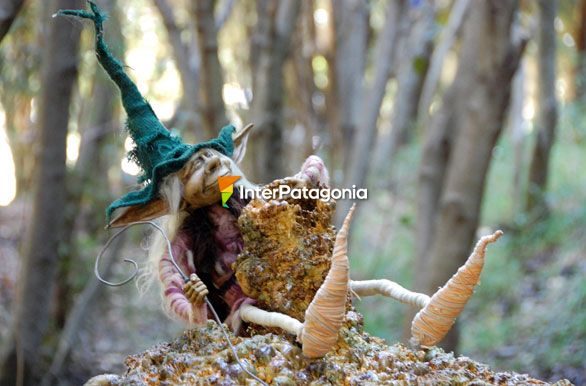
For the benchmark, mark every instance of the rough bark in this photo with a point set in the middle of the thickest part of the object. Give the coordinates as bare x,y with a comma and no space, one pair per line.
274,40
446,41
212,78
487,63
40,255
8,11
187,60
411,73
546,119
369,103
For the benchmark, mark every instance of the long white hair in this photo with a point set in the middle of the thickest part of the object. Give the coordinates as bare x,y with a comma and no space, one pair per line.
171,192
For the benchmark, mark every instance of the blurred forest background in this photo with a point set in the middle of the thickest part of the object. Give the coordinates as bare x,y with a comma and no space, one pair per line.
460,116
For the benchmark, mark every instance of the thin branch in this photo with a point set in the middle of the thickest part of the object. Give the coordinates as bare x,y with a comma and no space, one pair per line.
370,99
446,41
224,14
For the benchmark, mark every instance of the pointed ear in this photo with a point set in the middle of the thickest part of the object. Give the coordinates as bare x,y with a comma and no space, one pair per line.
130,214
240,139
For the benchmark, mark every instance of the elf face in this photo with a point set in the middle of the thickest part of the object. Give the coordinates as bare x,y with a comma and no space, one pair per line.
200,177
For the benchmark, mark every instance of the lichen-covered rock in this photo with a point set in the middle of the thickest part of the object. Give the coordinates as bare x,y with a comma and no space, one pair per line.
288,246
287,251
202,357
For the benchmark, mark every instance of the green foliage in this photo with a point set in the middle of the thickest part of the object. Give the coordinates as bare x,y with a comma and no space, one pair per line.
529,312
420,65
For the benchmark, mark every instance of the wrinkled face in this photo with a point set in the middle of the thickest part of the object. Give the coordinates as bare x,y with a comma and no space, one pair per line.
200,177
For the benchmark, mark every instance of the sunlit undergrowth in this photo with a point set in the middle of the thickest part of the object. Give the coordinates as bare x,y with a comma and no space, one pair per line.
529,313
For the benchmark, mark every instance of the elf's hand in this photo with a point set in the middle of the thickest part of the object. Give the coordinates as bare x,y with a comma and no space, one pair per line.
195,290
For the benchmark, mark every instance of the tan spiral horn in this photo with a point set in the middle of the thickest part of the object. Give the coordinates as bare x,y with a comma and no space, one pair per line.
325,314
434,321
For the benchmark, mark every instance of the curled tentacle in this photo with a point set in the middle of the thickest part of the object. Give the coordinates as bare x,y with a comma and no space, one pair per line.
252,314
434,321
391,289
325,314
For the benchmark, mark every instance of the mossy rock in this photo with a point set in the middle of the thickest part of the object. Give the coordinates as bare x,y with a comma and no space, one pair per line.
287,252
202,357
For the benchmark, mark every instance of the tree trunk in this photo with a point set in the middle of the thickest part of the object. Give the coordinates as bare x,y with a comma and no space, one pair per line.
77,317
82,181
436,151
518,133
432,171
303,86
40,255
268,89
546,109
580,69
412,69
212,79
332,108
351,30
8,11
481,91
224,14
187,60
369,101
446,41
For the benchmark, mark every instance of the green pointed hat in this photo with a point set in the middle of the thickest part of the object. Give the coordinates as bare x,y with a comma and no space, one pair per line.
156,151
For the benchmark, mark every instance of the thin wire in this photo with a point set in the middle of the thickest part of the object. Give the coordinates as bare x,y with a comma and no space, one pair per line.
183,275
97,265
227,337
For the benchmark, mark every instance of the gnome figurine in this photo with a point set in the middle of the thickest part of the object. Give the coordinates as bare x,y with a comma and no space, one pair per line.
180,186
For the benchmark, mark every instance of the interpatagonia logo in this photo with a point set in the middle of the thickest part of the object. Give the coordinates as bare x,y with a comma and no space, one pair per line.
226,184
317,193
